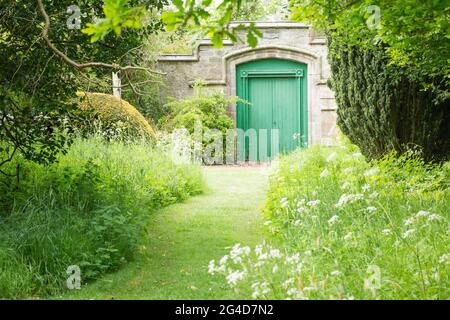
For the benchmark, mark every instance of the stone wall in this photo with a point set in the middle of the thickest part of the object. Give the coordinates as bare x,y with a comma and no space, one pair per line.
284,40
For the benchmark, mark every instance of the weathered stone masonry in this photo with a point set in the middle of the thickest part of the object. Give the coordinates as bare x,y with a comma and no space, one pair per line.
283,40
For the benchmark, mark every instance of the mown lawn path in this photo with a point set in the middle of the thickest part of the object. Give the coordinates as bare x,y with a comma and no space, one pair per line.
184,237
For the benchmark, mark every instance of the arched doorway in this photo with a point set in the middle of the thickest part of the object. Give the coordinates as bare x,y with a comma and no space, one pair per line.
274,118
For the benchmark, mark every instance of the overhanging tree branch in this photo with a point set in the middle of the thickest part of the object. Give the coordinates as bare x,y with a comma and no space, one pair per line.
75,64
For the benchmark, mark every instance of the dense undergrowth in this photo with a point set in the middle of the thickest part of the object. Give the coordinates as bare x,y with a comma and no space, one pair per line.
351,230
89,209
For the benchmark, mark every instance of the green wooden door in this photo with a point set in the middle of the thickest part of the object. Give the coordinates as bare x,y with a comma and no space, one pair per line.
275,112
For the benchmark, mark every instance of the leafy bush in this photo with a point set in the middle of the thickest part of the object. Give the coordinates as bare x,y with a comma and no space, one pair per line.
208,107
381,110
88,209
114,117
350,229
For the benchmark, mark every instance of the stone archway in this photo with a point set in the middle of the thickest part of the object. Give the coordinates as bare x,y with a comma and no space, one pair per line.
232,59
216,67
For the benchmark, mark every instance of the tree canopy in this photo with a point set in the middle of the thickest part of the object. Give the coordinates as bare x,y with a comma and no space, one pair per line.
46,59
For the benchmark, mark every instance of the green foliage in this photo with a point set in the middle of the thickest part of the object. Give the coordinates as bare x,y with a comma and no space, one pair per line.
414,33
214,24
341,220
118,15
204,112
207,106
36,86
114,117
88,209
382,110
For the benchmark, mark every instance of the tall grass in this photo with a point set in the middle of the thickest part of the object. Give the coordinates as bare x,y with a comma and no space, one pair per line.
350,230
89,209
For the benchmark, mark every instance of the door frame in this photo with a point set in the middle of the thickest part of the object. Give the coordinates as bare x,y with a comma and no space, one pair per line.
242,111
313,77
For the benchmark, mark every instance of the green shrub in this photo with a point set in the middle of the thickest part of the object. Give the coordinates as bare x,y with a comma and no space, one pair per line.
350,229
381,110
89,209
113,117
207,107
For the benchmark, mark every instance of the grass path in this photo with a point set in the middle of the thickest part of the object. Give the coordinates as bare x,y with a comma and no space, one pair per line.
184,237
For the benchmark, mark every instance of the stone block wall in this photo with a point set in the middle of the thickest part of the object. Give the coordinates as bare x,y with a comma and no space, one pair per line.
283,40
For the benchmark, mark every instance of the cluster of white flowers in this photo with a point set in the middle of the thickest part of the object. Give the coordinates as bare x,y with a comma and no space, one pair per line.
422,215
284,202
348,236
237,252
373,195
325,173
235,276
260,289
408,233
335,273
348,198
332,157
257,267
371,172
346,185
334,219
445,259
313,203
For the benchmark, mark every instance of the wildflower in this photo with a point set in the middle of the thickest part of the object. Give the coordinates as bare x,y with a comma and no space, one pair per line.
275,269
408,222
332,157
259,248
223,260
372,282
284,202
324,173
348,198
346,185
386,231
313,203
256,292
212,267
234,277
275,253
335,273
348,170
348,236
371,209
334,219
445,258
288,283
371,172
365,188
422,213
292,291
373,195
237,252
293,259
434,217
408,233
